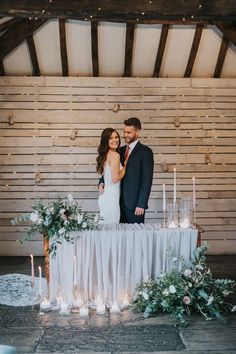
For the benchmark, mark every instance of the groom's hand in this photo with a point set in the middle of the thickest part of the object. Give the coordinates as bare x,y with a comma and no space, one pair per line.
101,188
139,211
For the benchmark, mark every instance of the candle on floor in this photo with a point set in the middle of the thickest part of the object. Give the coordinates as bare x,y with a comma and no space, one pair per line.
45,305
32,269
40,282
64,308
115,309
101,309
185,223
84,312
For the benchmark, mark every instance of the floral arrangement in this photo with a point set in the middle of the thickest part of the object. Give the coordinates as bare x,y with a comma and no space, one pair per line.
57,220
184,291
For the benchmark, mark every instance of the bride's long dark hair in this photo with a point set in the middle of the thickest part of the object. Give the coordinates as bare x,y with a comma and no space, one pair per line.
104,148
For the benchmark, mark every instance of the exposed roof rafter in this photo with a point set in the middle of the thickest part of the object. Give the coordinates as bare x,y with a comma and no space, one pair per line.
33,55
129,48
161,49
194,49
221,57
94,44
64,59
17,34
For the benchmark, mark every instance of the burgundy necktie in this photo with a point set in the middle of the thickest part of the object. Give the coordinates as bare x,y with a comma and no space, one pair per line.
127,151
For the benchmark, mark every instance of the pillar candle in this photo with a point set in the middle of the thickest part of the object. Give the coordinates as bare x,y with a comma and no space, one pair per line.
75,272
32,269
174,185
164,197
194,194
40,281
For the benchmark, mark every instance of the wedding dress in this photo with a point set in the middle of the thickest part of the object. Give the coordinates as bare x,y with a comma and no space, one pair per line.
109,201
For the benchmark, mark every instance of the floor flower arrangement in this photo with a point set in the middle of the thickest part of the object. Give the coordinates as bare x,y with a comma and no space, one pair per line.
181,292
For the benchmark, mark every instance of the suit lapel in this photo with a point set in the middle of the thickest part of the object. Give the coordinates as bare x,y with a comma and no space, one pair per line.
134,151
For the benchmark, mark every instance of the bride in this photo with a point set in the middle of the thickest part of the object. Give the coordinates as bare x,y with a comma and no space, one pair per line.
109,167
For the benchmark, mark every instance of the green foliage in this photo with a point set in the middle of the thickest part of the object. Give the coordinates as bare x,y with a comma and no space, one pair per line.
57,220
181,292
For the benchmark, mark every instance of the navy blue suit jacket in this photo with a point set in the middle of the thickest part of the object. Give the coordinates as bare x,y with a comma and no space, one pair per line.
137,182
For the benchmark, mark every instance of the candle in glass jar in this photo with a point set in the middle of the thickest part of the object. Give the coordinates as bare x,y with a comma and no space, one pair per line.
164,197
174,185
45,305
32,269
84,312
194,194
101,309
115,309
40,281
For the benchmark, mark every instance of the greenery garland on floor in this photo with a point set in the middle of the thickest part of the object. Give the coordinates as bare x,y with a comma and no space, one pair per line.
181,292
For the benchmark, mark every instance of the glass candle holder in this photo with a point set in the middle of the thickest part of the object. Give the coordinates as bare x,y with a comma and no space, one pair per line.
172,215
186,213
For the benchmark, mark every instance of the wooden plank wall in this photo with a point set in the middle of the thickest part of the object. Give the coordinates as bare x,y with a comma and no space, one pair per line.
189,123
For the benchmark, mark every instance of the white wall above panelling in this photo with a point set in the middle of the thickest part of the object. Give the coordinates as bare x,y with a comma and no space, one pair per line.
18,61
111,48
146,41
78,40
207,54
178,46
111,51
47,44
229,67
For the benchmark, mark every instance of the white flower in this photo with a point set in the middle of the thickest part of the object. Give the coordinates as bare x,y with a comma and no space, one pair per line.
190,285
233,309
145,295
62,211
48,211
210,300
84,225
186,300
62,231
79,218
52,209
175,259
165,292
34,217
172,289
187,272
96,218
226,292
66,221
40,221
70,198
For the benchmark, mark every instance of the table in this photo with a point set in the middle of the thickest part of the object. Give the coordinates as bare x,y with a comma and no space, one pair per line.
111,262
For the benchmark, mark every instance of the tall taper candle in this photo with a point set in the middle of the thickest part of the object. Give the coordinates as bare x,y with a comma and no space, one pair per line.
164,197
194,194
75,272
32,269
40,282
174,185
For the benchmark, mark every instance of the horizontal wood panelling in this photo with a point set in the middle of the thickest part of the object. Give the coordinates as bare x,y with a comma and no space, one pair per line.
189,123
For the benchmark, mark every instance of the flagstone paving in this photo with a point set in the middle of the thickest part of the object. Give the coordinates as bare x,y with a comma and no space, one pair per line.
126,333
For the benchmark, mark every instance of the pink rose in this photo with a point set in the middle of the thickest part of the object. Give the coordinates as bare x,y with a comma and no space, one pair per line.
186,300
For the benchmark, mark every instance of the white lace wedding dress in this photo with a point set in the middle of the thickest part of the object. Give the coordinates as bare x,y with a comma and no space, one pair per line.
109,201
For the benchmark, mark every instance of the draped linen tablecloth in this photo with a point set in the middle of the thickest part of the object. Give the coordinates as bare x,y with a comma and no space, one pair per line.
111,262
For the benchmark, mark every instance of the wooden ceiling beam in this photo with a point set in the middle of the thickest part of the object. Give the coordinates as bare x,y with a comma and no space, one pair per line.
33,55
161,49
193,51
121,10
94,48
2,70
7,24
129,48
63,48
228,31
221,57
17,34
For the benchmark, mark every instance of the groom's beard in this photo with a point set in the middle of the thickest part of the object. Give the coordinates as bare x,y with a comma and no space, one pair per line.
129,140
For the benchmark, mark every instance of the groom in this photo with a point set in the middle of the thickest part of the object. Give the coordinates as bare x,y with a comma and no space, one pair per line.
137,182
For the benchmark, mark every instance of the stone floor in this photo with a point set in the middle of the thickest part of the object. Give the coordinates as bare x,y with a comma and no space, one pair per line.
128,332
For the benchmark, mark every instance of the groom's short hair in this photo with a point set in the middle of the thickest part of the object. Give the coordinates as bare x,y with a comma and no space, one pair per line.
135,122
